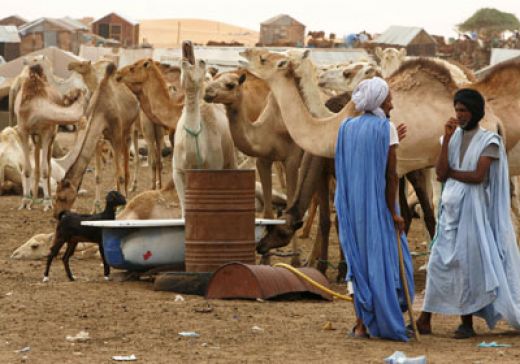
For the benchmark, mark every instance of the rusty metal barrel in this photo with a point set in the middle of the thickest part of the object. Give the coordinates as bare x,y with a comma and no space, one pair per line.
220,218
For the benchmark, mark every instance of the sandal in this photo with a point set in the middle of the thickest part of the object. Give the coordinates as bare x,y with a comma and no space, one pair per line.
353,334
464,332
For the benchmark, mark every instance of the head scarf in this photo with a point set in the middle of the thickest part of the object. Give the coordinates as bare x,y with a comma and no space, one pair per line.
370,94
474,102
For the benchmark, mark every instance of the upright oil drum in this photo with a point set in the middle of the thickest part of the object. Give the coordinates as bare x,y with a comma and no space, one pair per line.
220,218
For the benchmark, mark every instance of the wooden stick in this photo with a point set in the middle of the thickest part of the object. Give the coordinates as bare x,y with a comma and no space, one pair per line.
405,286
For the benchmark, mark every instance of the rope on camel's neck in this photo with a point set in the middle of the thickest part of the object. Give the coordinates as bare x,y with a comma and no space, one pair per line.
195,134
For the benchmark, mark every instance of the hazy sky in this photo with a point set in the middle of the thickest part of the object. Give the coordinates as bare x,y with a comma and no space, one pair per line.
341,17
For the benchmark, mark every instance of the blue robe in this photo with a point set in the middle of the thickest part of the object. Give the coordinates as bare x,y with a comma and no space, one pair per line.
474,266
367,233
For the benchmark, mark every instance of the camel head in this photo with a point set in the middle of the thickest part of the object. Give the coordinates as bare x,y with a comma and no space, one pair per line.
65,196
265,64
137,73
390,59
193,75
279,235
346,78
82,68
225,89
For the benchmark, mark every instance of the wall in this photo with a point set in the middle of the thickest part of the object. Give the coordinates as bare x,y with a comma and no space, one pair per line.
129,33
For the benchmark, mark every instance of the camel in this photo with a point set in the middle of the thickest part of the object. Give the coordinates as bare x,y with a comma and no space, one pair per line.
392,58
203,140
63,87
112,112
502,91
92,75
39,109
417,78
345,78
266,138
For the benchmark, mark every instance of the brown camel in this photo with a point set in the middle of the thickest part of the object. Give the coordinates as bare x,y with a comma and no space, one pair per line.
419,77
266,138
92,75
112,112
39,109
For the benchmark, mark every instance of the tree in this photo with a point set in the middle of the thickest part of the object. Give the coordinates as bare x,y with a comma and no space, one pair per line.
489,19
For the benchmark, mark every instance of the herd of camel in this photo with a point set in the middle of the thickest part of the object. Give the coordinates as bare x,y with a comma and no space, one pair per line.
276,108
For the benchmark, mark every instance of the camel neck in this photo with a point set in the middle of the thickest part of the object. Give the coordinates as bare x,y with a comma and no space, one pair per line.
90,80
316,136
192,110
157,103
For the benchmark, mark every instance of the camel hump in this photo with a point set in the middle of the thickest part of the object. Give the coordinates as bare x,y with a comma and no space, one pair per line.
110,70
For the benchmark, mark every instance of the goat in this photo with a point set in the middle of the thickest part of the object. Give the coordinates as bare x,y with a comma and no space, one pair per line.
69,230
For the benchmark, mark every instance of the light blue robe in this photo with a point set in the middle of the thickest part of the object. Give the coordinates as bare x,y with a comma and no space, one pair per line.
474,266
367,233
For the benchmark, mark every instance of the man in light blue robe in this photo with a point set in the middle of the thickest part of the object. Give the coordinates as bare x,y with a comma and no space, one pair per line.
474,267
366,177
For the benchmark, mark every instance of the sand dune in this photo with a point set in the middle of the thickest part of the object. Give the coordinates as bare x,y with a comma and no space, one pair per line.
166,33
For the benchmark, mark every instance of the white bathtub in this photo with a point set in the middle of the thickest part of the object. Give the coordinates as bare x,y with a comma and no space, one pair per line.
146,244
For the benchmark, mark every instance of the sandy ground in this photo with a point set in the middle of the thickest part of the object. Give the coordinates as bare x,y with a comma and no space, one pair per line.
126,318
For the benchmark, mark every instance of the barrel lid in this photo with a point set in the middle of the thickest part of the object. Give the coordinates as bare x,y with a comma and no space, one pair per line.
159,223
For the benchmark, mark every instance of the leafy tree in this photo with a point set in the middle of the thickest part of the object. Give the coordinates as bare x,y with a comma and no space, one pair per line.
489,19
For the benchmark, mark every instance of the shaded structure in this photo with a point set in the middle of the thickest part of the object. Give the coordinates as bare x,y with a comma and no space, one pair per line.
416,41
9,42
282,30
114,26
65,33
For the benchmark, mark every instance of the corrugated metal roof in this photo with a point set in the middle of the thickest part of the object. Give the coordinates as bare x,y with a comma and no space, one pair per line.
24,29
9,34
282,19
398,35
76,24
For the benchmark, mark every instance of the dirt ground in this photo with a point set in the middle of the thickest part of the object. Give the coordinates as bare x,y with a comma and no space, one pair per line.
126,318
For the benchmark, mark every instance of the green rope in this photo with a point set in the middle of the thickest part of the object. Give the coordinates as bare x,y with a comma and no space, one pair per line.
195,134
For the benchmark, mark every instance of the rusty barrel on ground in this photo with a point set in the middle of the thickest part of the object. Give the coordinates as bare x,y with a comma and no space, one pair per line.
220,218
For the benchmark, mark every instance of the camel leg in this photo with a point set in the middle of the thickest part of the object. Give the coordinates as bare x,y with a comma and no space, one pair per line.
126,161
159,142
46,171
310,217
291,169
418,181
36,180
26,172
178,181
97,176
515,206
150,139
264,171
280,173
403,205
120,152
135,141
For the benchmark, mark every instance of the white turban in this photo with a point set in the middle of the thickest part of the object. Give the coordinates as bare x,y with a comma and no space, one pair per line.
370,94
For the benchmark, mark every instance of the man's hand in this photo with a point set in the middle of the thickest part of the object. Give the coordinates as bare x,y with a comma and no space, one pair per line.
450,127
401,131
399,223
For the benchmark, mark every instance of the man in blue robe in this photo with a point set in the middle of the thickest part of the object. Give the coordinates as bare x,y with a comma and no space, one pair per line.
365,203
474,267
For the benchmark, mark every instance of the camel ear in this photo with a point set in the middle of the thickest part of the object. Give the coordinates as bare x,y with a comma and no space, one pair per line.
242,78
306,53
89,63
379,52
147,64
402,54
282,64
